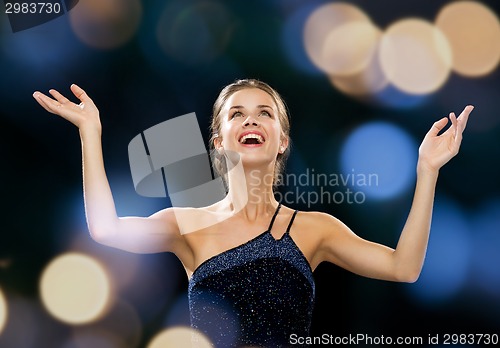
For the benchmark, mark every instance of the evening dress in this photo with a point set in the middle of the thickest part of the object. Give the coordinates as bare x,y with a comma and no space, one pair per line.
256,294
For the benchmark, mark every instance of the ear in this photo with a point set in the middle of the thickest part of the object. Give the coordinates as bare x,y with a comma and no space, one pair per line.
218,143
283,145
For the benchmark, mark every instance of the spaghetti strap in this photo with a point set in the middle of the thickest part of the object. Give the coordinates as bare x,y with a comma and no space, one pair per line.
274,217
291,222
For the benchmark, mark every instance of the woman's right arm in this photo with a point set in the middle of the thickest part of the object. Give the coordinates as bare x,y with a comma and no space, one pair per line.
156,233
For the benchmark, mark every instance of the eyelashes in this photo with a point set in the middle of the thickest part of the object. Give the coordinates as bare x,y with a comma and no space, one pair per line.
240,114
236,114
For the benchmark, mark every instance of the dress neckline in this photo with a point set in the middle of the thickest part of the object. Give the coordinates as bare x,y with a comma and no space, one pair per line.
268,231
260,235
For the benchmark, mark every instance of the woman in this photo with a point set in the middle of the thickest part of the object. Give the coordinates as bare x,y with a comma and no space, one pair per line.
246,286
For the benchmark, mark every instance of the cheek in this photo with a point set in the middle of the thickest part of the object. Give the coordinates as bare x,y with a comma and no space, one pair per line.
227,131
278,132
227,128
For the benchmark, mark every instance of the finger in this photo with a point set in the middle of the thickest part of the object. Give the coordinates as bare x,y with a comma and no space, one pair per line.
437,127
464,117
65,101
59,97
454,127
46,102
54,107
80,93
467,110
454,122
39,100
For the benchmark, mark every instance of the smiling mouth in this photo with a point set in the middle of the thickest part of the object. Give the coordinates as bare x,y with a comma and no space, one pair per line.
251,139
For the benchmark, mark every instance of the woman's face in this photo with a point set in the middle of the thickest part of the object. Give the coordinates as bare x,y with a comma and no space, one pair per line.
250,126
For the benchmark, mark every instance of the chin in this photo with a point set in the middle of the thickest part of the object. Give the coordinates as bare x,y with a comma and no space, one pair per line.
256,159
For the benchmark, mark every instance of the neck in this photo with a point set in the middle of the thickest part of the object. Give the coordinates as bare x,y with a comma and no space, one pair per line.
253,196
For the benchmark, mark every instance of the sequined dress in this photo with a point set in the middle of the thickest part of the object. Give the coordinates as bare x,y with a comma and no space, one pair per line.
256,294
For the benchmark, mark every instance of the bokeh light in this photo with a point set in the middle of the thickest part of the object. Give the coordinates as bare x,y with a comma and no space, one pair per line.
370,79
3,311
341,56
320,36
195,33
415,56
179,337
473,31
106,24
379,159
75,288
447,261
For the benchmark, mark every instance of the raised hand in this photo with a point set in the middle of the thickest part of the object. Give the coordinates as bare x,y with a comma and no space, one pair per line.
84,115
436,150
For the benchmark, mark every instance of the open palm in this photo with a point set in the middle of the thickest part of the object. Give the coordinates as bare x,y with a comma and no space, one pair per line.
81,115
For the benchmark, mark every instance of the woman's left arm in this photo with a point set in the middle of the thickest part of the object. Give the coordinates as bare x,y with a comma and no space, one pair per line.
434,152
341,246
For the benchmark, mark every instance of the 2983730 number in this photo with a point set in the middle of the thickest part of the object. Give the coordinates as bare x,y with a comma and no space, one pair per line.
470,339
32,7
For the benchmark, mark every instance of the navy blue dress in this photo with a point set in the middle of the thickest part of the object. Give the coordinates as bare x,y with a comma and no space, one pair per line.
258,293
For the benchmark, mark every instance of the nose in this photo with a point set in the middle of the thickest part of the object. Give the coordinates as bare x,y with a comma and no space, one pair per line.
251,120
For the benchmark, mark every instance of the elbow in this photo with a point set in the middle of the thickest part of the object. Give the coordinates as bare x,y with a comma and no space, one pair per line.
408,276
100,234
411,278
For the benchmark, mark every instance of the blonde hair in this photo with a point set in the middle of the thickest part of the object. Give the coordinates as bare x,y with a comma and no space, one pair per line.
218,161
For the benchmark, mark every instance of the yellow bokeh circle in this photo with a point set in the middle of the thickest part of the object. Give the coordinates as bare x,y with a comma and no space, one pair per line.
321,32
180,336
3,311
415,56
75,288
473,31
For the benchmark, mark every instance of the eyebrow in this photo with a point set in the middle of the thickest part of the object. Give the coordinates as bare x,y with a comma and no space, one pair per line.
242,107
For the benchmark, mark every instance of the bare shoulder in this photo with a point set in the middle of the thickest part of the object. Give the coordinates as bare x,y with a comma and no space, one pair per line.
167,215
190,224
319,222
180,222
312,230
318,234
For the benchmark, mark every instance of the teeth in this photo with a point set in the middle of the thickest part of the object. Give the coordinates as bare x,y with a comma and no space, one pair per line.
252,136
